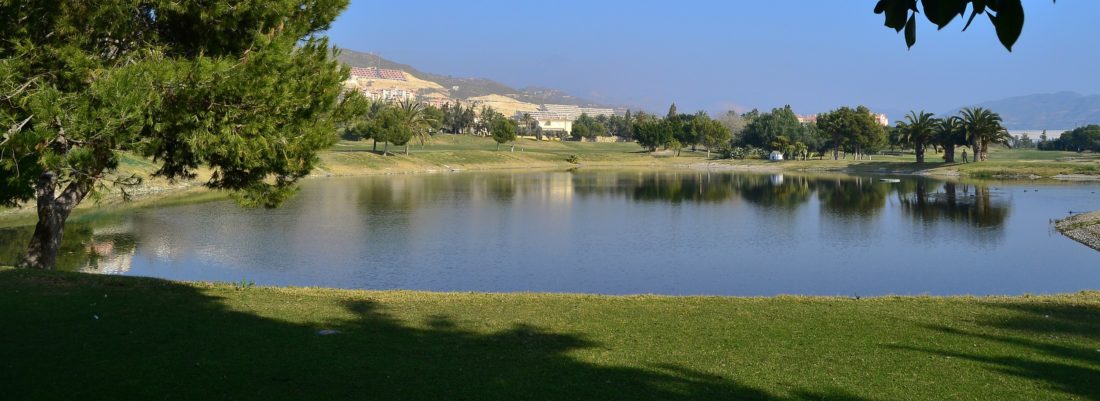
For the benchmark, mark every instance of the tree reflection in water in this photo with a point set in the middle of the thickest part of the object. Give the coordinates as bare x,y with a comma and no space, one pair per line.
974,205
848,197
98,248
106,242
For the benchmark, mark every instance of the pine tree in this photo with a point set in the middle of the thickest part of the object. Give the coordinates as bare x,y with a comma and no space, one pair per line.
247,89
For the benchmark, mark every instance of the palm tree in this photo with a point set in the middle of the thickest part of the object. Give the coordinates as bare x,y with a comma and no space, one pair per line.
416,120
528,123
918,129
983,127
949,134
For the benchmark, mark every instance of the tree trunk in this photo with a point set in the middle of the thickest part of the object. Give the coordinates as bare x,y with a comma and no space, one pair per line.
949,153
498,146
375,145
406,149
919,149
52,213
386,149
513,147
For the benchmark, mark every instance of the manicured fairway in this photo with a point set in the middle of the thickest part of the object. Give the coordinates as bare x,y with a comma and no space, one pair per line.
86,337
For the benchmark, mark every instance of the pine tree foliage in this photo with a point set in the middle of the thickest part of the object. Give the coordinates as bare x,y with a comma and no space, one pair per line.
246,88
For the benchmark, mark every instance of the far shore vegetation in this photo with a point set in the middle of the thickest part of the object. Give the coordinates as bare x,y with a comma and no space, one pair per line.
443,153
850,139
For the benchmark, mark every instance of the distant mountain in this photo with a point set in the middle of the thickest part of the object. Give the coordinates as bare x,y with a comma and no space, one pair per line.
466,87
1062,110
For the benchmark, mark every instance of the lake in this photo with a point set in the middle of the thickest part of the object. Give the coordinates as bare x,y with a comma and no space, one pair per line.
610,232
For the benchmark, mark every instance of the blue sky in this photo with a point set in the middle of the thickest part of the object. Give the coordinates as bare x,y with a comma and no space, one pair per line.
712,55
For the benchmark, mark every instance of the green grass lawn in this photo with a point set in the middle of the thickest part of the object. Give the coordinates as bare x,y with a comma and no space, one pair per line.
458,152
74,336
464,152
1002,163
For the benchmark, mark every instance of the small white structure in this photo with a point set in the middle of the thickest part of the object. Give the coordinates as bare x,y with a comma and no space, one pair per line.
775,156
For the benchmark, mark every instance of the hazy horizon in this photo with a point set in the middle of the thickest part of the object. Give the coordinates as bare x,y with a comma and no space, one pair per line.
703,56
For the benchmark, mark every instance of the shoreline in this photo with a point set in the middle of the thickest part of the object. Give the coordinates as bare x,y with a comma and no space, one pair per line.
1083,228
90,276
461,154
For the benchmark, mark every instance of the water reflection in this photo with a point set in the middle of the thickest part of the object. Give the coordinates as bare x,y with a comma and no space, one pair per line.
104,249
857,197
973,205
583,231
776,191
107,243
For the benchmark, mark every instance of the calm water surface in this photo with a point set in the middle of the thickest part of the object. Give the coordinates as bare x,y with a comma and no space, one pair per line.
613,233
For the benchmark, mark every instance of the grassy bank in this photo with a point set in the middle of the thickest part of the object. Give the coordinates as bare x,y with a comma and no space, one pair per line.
461,152
451,153
1003,163
73,336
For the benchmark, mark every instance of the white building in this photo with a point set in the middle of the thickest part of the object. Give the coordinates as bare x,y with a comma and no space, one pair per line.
575,112
882,119
388,95
559,117
551,122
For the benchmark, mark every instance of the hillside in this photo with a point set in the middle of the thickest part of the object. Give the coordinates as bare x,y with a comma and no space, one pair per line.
466,87
505,105
1062,110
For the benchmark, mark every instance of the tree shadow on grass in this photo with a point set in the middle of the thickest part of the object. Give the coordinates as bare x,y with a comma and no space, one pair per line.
70,336
1060,363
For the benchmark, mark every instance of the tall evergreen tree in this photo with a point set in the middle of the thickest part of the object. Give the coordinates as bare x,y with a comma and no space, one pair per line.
248,89
627,129
503,130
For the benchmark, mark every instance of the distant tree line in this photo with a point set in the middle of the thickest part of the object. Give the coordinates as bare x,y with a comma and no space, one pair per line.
588,127
676,131
1081,139
403,122
839,133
